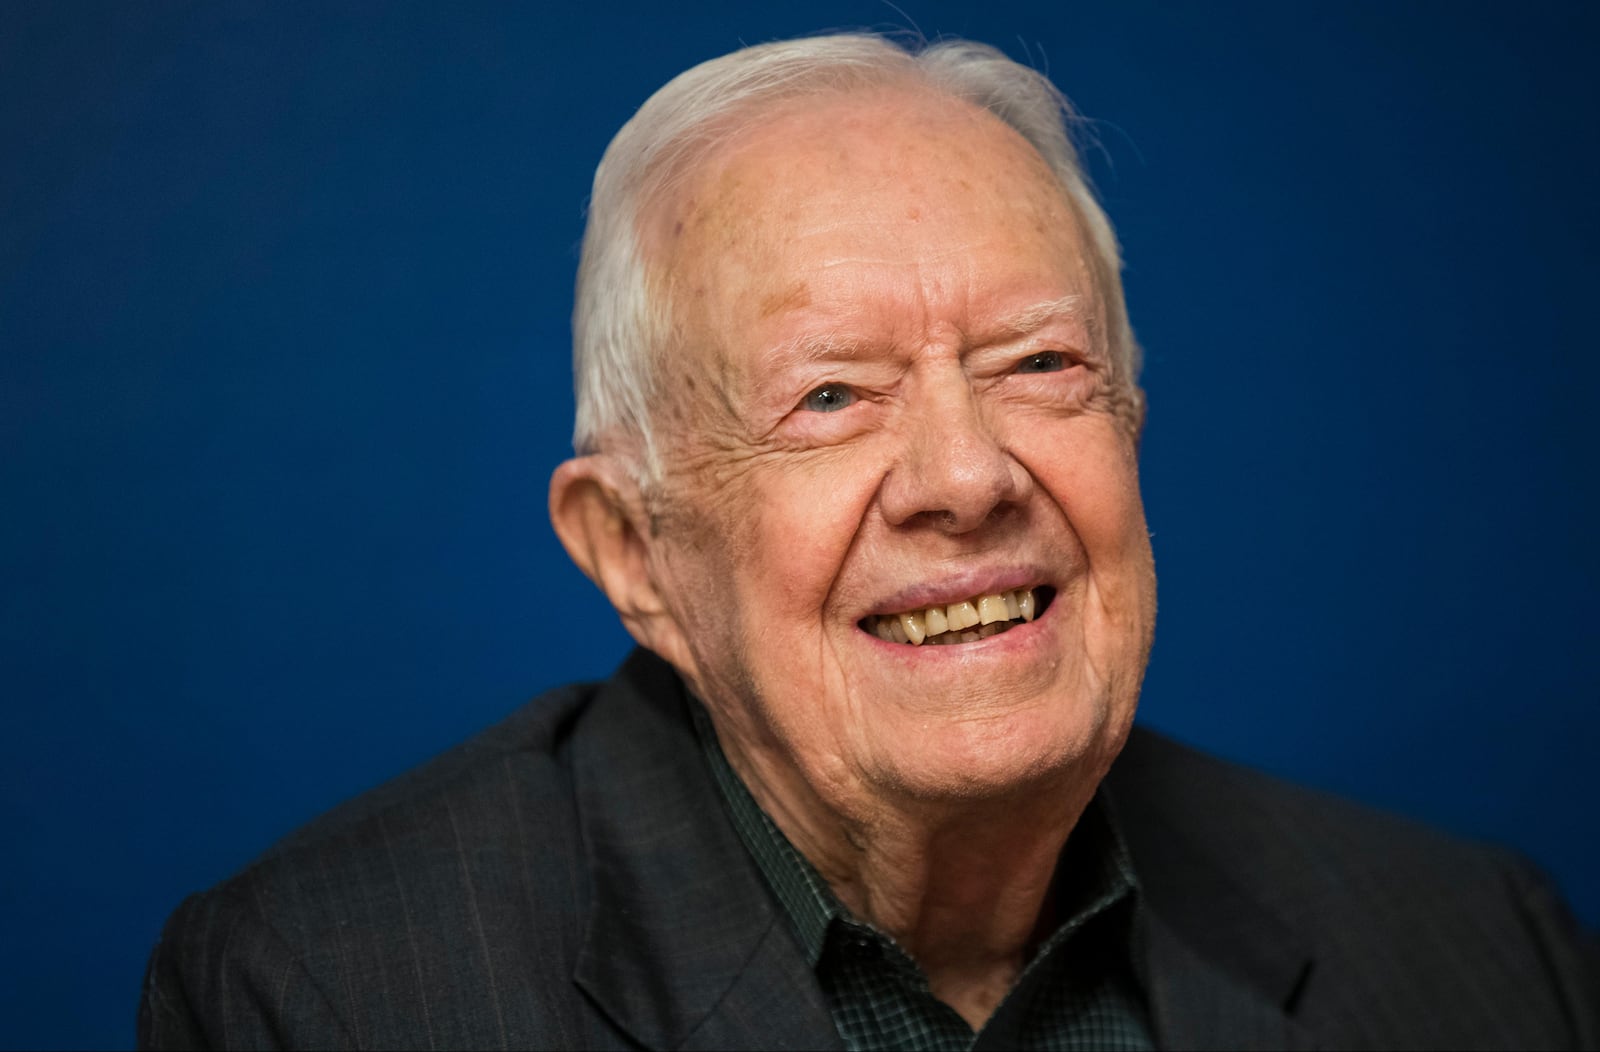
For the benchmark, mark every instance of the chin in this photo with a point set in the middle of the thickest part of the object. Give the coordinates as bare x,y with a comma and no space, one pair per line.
1002,755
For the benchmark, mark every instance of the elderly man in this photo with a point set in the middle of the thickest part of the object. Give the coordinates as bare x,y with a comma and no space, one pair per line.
858,420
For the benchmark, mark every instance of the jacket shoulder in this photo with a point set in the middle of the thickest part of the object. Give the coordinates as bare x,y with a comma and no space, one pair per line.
1405,930
528,745
1246,813
443,908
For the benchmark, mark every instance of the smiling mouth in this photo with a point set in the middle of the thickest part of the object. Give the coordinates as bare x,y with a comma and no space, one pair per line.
965,622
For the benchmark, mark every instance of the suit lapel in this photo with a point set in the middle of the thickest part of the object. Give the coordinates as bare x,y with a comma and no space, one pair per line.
773,1002
1198,1003
1222,968
684,947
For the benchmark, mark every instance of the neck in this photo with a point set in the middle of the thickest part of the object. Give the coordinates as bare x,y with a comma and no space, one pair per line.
962,885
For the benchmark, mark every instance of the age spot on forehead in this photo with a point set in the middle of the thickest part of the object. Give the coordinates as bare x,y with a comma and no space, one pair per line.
794,297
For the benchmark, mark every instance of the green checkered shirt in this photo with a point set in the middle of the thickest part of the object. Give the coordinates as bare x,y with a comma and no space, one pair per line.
1079,991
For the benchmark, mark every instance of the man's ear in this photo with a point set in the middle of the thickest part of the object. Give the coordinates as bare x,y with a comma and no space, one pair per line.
598,512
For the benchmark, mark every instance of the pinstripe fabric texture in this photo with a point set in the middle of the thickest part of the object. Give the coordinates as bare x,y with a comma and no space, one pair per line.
1077,993
569,879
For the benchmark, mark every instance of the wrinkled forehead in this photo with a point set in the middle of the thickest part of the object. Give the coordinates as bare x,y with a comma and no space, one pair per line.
893,169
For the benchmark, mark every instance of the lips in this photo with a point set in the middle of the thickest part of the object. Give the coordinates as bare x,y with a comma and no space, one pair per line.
965,621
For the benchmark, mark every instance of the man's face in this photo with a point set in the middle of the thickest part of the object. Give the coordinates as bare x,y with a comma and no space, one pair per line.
889,392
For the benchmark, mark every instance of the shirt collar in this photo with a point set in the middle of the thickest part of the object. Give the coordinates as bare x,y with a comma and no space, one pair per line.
1094,872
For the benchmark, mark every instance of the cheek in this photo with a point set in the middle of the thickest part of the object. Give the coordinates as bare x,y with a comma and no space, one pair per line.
794,537
1097,490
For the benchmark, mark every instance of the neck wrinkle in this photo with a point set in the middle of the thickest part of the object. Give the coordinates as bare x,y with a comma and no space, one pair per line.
928,876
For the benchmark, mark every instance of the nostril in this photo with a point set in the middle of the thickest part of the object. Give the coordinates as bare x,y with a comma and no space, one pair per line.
954,480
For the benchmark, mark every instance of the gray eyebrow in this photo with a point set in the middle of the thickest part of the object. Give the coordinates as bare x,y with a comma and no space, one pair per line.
1031,319
812,347
818,346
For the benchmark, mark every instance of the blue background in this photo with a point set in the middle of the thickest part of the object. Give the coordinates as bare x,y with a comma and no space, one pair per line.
283,372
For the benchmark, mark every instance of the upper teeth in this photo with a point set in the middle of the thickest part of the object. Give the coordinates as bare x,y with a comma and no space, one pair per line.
963,622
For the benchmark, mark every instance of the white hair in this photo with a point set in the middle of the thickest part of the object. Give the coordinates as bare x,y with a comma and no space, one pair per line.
621,323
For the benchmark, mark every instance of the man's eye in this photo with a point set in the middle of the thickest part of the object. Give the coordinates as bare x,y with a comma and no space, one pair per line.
1043,362
829,398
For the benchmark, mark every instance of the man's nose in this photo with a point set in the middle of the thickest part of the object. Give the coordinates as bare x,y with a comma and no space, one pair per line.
954,473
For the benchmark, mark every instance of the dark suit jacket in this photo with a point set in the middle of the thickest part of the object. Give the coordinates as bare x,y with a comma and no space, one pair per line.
569,879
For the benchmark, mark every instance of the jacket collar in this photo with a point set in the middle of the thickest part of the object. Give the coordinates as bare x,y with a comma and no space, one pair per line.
684,947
